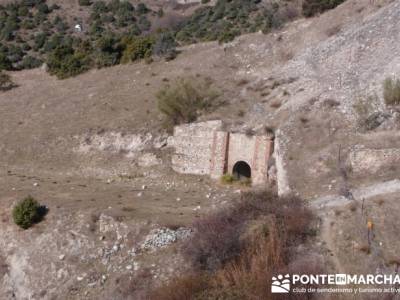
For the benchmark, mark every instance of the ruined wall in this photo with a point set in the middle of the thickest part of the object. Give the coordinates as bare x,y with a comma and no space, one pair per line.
282,177
193,145
204,148
372,160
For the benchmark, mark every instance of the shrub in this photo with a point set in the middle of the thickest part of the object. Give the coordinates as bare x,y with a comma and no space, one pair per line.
65,62
164,45
313,7
240,248
136,48
216,238
5,82
85,2
30,62
27,212
5,63
391,91
227,178
185,99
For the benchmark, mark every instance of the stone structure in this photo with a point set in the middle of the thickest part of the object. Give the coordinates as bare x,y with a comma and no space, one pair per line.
373,160
207,149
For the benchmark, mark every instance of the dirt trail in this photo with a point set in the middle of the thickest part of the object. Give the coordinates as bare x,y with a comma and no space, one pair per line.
365,192
325,204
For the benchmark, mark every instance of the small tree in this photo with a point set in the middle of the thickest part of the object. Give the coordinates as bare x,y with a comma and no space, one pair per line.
27,212
185,100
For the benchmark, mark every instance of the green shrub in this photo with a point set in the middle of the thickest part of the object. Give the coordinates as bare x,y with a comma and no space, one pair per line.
85,2
391,91
185,100
230,179
164,45
5,82
65,62
227,178
313,7
30,62
27,212
5,63
136,48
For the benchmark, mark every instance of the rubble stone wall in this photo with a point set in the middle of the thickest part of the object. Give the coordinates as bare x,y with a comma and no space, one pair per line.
205,149
372,160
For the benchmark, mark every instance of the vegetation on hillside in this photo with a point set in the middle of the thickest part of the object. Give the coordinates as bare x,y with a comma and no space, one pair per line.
5,82
28,212
313,7
185,99
33,32
228,19
234,253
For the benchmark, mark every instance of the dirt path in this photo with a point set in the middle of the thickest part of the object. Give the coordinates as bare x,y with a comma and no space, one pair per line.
326,236
325,204
365,192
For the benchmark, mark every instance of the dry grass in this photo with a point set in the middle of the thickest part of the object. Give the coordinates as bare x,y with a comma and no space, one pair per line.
391,91
276,104
331,31
353,206
365,248
236,251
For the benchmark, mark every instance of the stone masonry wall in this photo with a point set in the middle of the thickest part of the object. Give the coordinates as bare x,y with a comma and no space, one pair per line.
205,149
193,147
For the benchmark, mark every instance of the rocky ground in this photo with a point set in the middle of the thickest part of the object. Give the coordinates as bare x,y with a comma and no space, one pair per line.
94,151
99,237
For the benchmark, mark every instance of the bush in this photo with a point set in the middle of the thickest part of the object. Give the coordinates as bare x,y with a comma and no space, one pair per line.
136,48
391,91
65,62
27,212
85,2
185,100
235,252
5,63
227,178
5,82
217,237
313,7
164,45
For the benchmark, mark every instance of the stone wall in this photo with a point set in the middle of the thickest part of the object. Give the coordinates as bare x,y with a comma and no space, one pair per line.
193,145
204,148
372,160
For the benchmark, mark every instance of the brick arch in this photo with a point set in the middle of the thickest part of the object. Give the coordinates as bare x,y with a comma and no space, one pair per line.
241,170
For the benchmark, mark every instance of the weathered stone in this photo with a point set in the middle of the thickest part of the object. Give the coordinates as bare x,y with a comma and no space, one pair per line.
206,149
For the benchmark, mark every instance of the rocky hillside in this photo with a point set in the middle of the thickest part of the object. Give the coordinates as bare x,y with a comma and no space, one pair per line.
93,148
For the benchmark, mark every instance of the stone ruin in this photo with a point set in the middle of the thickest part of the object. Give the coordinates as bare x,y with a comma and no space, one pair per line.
205,148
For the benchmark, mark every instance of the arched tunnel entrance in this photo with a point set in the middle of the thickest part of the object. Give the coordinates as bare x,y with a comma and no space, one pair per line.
241,171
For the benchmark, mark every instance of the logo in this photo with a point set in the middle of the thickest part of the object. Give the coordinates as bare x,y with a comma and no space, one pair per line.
280,284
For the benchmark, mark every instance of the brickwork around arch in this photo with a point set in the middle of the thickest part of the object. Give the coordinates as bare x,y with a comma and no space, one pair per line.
205,148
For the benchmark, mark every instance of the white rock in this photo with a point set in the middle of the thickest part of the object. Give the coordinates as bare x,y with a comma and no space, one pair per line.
135,266
36,184
61,257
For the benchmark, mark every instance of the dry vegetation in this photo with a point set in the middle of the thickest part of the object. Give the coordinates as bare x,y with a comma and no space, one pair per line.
183,100
235,252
